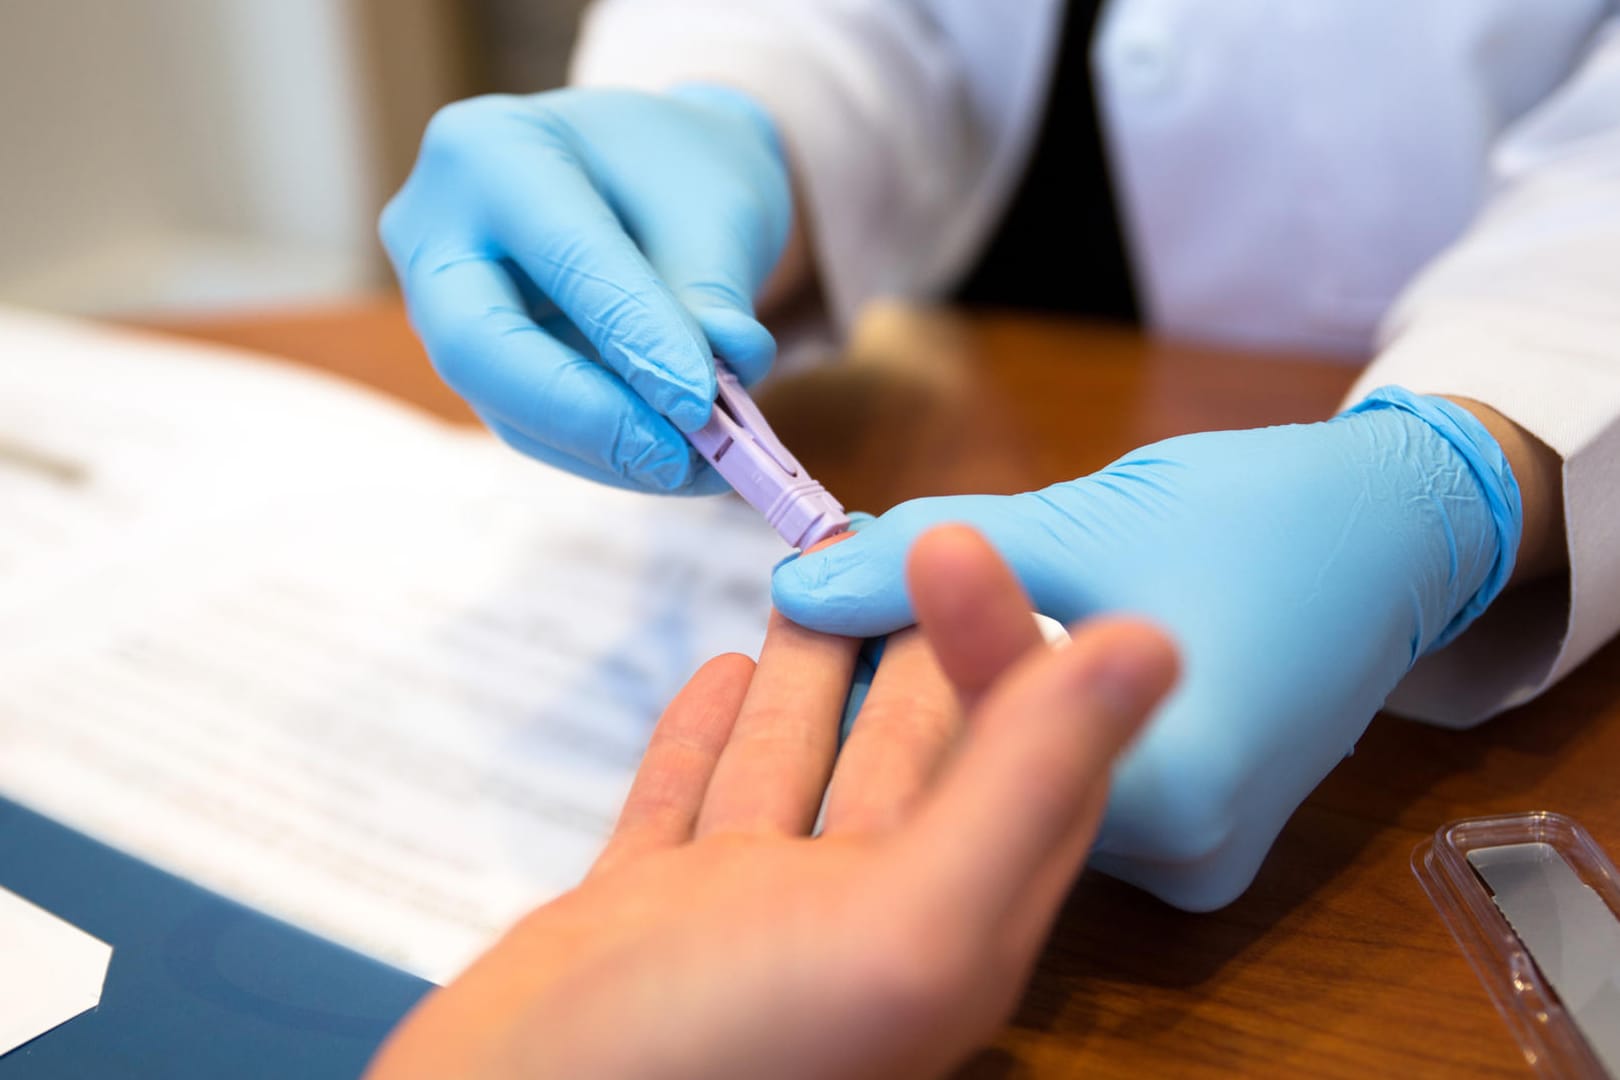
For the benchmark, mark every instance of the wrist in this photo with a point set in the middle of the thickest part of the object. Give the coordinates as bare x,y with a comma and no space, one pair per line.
1543,548
1473,482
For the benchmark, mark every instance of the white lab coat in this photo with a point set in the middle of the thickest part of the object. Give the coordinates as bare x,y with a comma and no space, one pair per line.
1433,181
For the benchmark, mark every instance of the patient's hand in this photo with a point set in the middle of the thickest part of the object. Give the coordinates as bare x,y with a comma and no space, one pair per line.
716,937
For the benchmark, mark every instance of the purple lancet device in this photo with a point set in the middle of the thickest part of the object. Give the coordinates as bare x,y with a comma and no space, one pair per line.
741,445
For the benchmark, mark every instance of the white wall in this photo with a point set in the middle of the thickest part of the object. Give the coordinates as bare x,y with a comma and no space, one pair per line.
162,154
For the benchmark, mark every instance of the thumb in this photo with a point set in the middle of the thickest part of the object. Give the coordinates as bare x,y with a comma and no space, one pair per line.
858,588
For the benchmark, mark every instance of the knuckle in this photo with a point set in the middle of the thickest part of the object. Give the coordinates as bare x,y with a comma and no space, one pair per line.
458,131
452,123
391,229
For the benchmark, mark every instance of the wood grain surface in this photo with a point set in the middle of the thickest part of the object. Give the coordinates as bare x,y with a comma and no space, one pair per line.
1333,964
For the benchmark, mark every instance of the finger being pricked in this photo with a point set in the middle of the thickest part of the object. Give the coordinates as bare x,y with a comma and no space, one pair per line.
774,769
773,772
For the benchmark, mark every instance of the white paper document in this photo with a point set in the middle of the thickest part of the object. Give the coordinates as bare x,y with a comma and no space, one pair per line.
50,971
377,676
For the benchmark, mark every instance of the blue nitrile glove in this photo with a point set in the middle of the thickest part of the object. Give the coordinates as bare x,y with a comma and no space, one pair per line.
1301,569
570,258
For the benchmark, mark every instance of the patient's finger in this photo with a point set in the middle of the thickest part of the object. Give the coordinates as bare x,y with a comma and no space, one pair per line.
662,807
905,728
976,623
970,607
773,771
1033,764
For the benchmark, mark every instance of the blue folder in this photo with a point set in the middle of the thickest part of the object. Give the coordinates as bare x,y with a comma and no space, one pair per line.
199,986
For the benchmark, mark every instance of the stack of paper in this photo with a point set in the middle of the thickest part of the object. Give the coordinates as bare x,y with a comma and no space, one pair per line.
375,675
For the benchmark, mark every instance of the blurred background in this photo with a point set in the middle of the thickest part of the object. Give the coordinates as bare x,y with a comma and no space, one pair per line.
167,157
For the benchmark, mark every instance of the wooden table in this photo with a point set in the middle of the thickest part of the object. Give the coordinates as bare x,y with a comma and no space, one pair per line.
1333,964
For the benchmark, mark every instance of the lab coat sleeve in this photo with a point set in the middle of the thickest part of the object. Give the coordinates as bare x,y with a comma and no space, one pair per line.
903,144
1523,314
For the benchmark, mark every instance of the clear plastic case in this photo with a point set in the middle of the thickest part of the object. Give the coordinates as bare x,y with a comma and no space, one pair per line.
1548,1033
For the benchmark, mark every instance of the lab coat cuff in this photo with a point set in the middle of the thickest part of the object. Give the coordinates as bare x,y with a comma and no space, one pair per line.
1563,388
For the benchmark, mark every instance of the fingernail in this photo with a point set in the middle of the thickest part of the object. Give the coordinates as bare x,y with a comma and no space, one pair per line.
828,541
